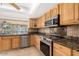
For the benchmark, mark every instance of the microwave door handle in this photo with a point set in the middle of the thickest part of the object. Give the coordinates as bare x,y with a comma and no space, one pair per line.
52,21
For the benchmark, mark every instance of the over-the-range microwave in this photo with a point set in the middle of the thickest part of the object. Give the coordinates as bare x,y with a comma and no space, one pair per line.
52,22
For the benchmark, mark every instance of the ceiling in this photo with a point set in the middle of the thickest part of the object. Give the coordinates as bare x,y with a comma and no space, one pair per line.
27,10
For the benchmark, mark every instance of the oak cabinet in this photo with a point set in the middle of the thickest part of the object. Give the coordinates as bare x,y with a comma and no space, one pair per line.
31,40
15,41
68,13
59,50
38,22
33,23
35,41
6,43
54,11
48,15
30,23
77,13
9,42
75,53
41,22
0,44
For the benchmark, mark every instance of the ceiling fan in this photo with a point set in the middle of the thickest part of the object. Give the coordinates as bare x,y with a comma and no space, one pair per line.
15,6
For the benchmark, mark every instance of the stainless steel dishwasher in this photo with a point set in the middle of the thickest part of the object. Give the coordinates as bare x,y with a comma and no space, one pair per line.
25,41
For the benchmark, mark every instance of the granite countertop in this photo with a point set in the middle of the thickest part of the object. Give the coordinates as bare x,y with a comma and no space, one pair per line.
13,34
71,42
67,41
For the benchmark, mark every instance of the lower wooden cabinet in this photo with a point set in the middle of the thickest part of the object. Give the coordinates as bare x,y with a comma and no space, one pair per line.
15,41
0,44
75,53
31,40
35,41
9,42
59,50
6,43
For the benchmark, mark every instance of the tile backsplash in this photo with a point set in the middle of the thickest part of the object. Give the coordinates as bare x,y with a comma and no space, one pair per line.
73,30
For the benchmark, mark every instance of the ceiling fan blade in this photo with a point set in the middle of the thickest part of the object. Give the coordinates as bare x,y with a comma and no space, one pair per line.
15,6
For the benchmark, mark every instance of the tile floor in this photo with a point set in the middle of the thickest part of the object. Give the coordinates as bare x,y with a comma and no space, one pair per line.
30,51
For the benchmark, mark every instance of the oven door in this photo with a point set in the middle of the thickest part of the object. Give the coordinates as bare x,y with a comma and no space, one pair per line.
47,50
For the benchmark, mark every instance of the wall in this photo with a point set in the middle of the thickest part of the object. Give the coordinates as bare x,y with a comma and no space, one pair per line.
73,30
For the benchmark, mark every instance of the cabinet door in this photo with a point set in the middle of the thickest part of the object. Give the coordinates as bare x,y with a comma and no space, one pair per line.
30,23
35,41
77,13
42,21
31,40
33,23
0,44
48,15
54,11
38,22
15,42
75,53
67,14
6,43
59,50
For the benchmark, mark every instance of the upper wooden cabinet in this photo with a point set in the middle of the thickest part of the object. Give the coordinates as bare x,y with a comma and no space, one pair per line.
68,13
54,11
48,15
41,22
33,23
38,22
77,12
30,23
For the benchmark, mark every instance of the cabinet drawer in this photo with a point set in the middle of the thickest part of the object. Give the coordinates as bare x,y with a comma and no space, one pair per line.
57,52
75,53
64,50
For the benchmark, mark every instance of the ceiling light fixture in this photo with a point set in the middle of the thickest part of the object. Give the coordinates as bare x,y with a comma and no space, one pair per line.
15,6
7,6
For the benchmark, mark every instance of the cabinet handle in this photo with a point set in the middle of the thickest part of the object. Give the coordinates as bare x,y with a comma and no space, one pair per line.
77,50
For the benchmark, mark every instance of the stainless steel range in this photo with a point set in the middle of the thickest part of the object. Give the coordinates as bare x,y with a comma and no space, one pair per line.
46,46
